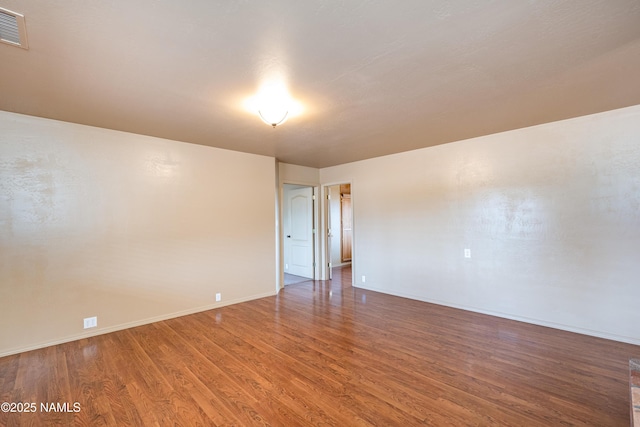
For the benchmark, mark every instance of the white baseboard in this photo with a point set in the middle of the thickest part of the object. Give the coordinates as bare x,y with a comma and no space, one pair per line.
539,322
109,329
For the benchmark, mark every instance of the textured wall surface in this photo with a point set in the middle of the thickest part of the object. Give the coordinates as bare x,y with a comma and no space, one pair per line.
124,227
550,213
294,174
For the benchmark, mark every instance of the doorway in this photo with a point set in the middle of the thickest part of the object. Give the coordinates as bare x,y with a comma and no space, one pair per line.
339,227
298,230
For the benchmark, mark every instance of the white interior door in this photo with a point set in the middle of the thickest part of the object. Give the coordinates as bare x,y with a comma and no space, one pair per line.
298,231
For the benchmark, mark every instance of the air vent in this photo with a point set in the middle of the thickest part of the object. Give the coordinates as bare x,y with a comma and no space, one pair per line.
12,29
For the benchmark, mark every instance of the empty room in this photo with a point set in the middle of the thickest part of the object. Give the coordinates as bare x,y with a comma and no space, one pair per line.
320,213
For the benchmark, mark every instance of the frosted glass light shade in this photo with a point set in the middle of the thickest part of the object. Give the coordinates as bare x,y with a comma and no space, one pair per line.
274,115
273,104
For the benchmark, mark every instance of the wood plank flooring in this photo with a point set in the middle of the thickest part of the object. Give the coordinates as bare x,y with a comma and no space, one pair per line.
325,353
292,279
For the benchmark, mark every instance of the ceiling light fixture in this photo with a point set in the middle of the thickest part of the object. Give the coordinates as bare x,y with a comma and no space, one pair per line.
273,115
273,104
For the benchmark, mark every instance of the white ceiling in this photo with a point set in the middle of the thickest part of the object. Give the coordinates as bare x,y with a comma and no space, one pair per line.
375,77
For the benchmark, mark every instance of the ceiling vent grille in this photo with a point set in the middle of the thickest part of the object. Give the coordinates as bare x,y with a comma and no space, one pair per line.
12,29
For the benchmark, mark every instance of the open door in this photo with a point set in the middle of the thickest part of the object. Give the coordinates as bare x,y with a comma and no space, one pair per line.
298,231
339,232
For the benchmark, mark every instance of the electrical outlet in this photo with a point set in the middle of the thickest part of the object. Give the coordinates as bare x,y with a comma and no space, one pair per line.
286,266
467,253
364,279
218,297
90,322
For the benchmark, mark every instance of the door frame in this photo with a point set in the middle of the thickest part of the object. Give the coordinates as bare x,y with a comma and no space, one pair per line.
326,249
317,273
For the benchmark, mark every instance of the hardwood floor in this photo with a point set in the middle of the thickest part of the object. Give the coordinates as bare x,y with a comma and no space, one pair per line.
326,354
292,279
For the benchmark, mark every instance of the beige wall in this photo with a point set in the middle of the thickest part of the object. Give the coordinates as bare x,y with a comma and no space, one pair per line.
134,229
294,174
124,227
551,215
